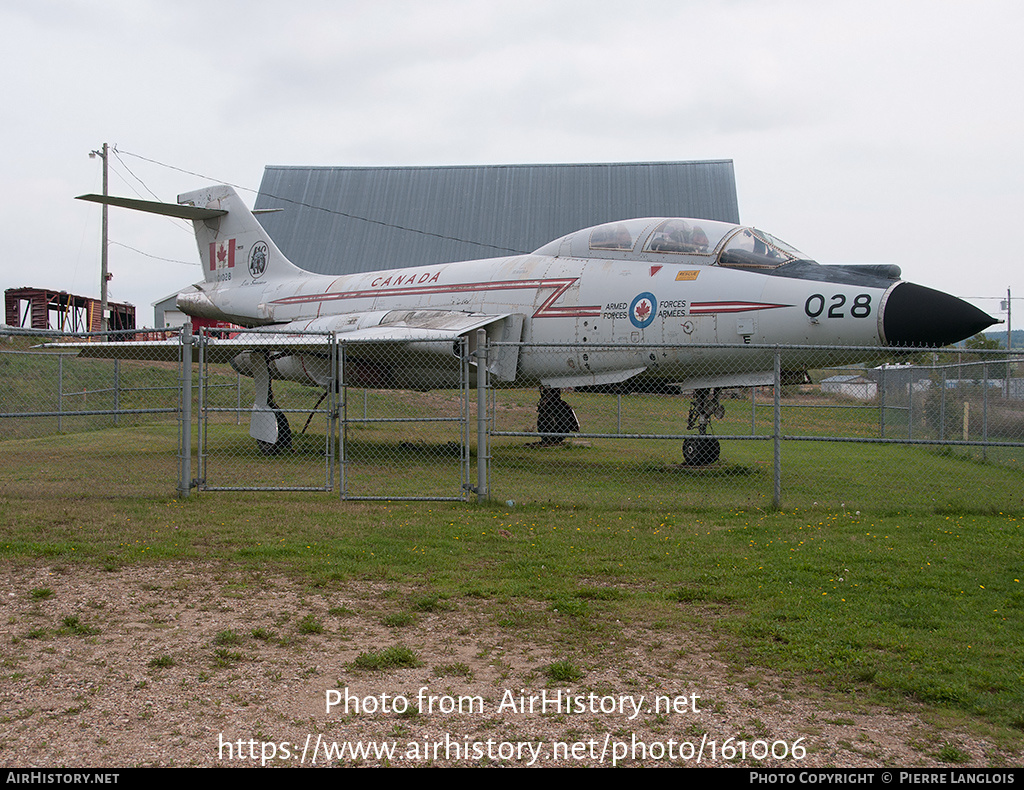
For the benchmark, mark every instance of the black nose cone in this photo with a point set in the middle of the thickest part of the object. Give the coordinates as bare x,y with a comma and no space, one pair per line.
919,316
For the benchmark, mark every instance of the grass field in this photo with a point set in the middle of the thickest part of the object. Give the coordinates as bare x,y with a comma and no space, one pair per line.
906,589
891,573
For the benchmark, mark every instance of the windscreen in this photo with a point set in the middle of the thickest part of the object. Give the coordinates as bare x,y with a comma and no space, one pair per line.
754,249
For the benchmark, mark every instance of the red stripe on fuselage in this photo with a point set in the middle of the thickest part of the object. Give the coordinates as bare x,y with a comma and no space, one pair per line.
707,308
546,309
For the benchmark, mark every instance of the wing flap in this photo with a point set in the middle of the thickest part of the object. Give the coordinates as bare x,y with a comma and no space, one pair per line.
591,379
724,380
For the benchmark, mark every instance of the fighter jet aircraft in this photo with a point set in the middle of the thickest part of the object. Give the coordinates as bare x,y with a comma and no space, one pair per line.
635,298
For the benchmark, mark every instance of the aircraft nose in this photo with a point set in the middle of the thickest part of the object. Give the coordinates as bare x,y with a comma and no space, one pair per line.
919,316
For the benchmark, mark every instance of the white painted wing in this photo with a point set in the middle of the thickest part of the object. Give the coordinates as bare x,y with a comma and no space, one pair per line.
402,327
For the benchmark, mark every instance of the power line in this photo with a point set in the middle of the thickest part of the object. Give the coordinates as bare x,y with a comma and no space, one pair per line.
124,164
335,212
155,257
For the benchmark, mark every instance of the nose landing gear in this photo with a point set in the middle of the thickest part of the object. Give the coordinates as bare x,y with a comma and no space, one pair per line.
703,450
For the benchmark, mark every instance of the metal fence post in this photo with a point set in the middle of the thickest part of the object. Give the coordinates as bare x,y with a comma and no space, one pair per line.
202,425
881,402
942,408
465,433
984,411
332,449
777,441
185,432
117,391
910,407
342,423
60,393
482,454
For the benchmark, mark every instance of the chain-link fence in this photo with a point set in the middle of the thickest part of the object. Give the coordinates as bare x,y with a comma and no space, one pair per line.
697,427
74,425
808,427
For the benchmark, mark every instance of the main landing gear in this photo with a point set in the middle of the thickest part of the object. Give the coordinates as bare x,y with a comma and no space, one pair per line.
703,450
555,417
268,424
283,443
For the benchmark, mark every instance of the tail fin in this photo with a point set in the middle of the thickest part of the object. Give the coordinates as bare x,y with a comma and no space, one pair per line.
232,244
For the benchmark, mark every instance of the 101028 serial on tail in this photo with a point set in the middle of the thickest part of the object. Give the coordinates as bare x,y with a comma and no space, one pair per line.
633,298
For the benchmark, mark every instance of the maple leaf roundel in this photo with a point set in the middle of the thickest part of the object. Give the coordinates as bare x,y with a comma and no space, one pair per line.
643,309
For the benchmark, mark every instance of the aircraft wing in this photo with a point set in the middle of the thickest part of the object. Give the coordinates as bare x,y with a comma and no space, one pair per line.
401,327
695,382
725,380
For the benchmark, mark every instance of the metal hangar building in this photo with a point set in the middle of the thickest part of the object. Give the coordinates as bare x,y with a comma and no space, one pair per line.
342,220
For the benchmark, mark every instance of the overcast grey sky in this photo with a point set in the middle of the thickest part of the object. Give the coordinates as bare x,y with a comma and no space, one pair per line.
875,131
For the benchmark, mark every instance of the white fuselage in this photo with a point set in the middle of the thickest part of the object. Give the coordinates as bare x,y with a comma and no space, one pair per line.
653,312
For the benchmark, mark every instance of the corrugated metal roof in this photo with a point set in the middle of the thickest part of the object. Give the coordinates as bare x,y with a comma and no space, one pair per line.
340,220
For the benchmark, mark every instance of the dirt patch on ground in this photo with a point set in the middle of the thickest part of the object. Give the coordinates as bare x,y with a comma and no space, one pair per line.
199,665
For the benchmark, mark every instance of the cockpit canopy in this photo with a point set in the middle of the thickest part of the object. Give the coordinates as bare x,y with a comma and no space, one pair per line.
702,242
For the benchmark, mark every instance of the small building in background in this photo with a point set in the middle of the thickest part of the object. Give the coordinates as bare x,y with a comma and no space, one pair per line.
850,386
41,308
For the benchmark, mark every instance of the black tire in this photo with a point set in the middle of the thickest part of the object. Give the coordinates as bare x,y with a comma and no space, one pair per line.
701,451
284,437
555,418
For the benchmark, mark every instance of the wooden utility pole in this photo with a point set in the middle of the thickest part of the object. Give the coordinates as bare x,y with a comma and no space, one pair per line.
104,277
1009,323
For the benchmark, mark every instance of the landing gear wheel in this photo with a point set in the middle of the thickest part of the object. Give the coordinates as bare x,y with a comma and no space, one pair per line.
284,437
700,450
555,417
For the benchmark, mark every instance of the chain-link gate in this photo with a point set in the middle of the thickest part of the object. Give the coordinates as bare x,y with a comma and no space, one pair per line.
309,413
281,440
404,425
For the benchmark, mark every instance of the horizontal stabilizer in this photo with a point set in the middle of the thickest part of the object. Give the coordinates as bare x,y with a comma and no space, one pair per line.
167,209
